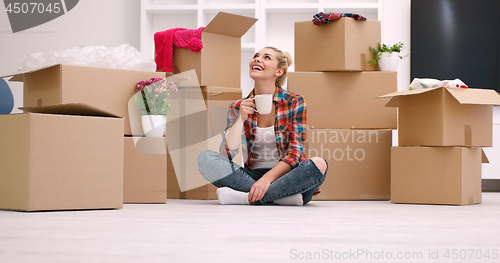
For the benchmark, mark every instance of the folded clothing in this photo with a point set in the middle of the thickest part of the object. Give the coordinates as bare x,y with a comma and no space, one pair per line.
180,37
322,18
435,83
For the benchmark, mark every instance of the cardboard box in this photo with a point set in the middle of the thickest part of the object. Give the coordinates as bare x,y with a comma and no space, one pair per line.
64,157
103,88
445,116
145,170
358,163
342,45
344,100
436,175
205,192
219,62
198,123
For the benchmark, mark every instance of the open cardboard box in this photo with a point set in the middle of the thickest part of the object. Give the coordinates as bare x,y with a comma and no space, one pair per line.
436,175
341,45
62,157
359,163
103,88
445,116
345,100
219,62
145,170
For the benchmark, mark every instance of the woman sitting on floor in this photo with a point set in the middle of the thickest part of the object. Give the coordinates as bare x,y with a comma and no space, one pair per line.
276,169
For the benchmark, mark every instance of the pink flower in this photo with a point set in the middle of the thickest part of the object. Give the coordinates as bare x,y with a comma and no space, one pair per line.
152,101
173,86
142,84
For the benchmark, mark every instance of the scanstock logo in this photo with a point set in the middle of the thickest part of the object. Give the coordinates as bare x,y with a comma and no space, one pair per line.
30,13
193,125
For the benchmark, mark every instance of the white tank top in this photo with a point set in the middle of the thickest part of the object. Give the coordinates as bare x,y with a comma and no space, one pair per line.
264,149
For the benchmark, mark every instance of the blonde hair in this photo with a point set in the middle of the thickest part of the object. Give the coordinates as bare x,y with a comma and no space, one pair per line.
284,61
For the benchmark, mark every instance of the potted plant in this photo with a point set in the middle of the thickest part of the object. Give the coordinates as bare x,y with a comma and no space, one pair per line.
387,56
152,99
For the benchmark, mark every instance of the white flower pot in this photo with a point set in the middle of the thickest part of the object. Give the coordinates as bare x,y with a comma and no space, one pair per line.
154,125
388,61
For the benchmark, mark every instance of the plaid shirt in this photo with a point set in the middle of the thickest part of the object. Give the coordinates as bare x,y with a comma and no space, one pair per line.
289,127
325,18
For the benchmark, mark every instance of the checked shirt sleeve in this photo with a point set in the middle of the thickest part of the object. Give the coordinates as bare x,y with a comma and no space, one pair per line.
232,117
298,134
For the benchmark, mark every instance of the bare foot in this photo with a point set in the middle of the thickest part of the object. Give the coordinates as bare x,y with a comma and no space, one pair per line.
317,192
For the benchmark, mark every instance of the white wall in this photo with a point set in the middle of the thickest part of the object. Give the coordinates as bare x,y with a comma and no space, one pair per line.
91,22
395,22
395,28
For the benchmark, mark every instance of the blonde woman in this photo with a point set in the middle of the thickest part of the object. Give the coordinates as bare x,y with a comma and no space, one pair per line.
276,169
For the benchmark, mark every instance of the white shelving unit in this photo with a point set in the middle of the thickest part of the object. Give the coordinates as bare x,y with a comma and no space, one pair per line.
275,26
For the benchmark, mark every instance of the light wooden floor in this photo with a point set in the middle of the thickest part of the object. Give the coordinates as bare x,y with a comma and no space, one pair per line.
203,231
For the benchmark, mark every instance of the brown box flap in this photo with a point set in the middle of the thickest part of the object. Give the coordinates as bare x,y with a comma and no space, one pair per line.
230,24
70,109
463,96
17,76
394,102
484,158
475,96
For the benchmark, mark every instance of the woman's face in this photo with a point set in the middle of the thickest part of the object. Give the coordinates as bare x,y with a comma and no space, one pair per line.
264,65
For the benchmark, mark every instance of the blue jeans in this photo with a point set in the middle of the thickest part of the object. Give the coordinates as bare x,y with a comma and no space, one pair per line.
304,179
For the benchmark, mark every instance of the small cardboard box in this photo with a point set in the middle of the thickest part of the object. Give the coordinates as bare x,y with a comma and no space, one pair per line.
198,123
345,100
63,157
342,45
103,88
359,163
436,175
445,116
219,62
145,170
205,192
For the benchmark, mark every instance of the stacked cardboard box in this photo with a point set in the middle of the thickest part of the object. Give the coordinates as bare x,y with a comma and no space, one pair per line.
347,125
438,160
106,89
200,107
198,124
145,170
62,157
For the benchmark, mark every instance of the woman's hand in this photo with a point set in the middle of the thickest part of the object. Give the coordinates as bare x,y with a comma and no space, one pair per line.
258,190
247,107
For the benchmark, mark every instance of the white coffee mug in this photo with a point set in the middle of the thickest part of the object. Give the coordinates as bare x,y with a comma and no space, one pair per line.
263,103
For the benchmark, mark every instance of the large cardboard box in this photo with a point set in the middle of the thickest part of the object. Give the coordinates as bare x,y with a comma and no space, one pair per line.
342,45
445,116
436,175
359,163
219,62
145,170
64,157
199,118
103,88
345,100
